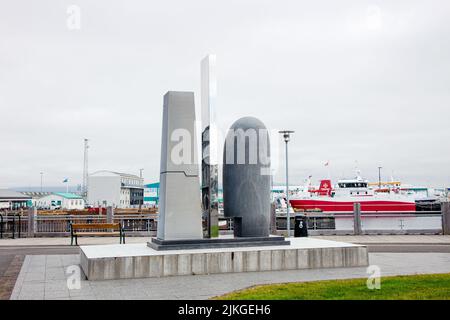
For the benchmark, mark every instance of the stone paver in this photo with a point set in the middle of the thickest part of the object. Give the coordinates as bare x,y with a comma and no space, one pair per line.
44,277
10,267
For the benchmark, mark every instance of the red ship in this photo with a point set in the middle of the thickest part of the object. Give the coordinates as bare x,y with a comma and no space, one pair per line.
346,193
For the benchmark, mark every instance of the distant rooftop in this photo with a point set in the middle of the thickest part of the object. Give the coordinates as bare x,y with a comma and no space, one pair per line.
35,194
68,195
107,172
11,194
152,185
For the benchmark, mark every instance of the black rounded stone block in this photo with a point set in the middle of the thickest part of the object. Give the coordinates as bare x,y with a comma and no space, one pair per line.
246,177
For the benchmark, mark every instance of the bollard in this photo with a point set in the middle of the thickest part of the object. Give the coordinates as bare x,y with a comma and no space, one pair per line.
273,219
357,230
20,224
446,218
14,226
109,214
32,213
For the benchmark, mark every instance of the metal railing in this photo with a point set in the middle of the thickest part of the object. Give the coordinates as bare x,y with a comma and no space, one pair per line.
12,225
315,222
15,223
61,224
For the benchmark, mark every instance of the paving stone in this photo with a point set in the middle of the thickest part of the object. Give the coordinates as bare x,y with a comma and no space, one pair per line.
56,294
207,286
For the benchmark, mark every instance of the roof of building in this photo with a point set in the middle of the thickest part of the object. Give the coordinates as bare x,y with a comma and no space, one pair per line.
10,194
68,195
35,194
116,173
152,185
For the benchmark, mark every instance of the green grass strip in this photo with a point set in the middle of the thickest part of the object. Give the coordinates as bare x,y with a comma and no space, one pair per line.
414,287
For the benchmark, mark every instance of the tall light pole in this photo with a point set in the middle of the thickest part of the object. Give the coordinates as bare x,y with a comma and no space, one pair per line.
379,177
42,174
287,136
140,172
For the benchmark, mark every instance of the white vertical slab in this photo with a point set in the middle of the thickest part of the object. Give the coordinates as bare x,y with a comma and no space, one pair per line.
210,179
208,90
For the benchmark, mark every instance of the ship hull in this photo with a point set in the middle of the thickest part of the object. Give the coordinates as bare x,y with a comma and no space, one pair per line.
347,206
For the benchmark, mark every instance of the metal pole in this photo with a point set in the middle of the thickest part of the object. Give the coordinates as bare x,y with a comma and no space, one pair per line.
41,180
13,225
379,177
288,215
286,136
20,224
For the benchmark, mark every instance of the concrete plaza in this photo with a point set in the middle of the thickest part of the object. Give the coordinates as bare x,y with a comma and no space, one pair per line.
44,277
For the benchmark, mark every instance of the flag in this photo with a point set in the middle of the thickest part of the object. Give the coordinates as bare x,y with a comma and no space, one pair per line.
66,180
327,163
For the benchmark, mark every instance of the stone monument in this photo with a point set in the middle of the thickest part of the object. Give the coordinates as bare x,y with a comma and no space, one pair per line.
246,178
247,201
179,204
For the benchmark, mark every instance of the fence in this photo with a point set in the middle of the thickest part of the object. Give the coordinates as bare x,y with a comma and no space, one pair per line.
375,221
12,225
61,224
18,224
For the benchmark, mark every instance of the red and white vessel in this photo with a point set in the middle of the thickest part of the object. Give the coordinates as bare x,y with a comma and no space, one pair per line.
343,196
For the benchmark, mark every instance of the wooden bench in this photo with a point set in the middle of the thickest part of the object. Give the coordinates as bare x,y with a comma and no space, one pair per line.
93,229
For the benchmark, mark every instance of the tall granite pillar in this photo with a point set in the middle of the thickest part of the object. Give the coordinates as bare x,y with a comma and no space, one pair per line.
246,177
180,214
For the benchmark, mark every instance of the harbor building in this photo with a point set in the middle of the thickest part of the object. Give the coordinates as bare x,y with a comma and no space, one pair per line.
12,200
120,190
60,200
151,194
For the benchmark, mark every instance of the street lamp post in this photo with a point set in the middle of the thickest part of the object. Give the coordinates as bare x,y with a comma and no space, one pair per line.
287,137
42,174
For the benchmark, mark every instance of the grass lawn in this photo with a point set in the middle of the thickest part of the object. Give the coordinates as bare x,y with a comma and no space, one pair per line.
429,287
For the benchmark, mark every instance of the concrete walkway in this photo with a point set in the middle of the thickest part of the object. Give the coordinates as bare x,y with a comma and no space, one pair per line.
44,277
65,241
391,239
388,239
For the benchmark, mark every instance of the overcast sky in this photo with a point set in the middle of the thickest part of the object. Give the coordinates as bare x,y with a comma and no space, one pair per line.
363,83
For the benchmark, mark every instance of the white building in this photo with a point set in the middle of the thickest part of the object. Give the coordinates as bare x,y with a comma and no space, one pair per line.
60,200
151,194
121,190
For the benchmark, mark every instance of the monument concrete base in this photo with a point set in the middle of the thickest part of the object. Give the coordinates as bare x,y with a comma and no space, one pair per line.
214,243
128,261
